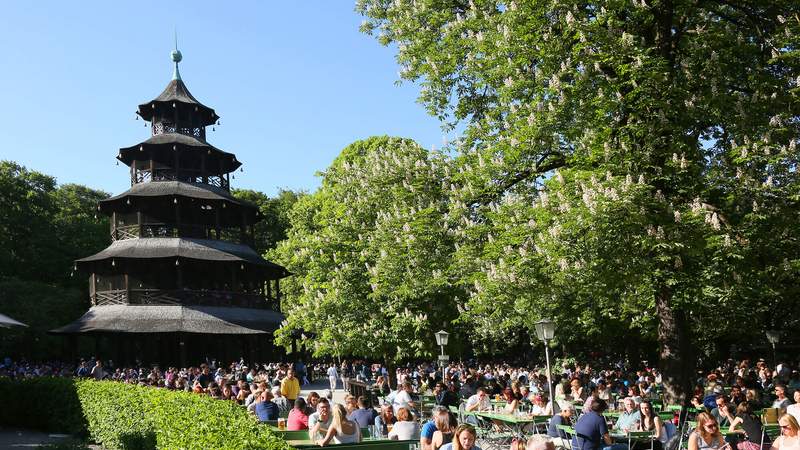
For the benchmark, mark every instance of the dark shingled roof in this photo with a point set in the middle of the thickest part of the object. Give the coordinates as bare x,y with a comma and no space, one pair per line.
161,147
176,91
173,319
201,249
177,188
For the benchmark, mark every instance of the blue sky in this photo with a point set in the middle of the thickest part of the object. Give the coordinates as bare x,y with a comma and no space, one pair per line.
294,83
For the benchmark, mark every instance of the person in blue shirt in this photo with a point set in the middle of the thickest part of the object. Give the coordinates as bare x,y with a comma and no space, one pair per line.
563,418
426,435
591,431
266,409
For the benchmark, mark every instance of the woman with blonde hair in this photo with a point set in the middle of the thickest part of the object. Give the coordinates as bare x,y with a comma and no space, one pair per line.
341,430
707,435
445,428
790,434
463,438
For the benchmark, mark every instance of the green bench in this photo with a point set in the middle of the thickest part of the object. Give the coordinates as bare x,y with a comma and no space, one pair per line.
384,444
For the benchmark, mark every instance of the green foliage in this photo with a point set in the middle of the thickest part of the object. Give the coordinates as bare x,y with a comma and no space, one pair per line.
674,127
370,253
42,307
123,416
274,215
46,404
43,229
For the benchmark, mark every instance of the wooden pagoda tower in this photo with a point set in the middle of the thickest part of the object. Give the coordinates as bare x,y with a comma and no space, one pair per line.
180,280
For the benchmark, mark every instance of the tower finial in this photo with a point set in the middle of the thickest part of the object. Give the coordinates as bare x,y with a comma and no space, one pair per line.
176,58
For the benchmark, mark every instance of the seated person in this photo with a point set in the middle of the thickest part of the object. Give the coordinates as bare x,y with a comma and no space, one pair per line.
651,422
591,431
707,435
385,419
629,418
560,438
319,422
479,401
405,428
266,409
365,414
440,416
298,417
341,430
748,426
511,402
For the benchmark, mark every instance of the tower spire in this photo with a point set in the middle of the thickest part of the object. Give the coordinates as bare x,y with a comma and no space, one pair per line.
176,58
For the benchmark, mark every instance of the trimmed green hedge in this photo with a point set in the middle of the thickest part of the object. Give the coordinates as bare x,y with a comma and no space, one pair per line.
123,416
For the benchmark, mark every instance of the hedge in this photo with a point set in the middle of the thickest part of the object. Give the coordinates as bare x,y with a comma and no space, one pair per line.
129,417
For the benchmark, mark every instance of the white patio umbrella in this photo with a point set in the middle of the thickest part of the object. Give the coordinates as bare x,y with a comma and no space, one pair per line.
8,322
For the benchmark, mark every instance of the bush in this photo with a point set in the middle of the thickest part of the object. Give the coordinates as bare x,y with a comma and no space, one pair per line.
46,404
123,416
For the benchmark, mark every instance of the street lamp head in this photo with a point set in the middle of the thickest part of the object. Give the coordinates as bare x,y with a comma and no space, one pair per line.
545,330
773,336
441,338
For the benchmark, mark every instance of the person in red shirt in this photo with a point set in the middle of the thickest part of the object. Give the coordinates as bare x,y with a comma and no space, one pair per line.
298,419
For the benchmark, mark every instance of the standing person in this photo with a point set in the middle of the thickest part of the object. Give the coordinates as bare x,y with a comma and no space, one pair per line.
342,430
300,370
205,376
333,375
98,373
707,435
290,386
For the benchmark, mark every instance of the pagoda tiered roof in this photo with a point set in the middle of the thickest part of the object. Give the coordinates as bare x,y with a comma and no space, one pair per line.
174,319
176,95
207,194
162,148
210,250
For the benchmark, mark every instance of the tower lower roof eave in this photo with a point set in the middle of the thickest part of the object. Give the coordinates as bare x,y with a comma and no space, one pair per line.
174,319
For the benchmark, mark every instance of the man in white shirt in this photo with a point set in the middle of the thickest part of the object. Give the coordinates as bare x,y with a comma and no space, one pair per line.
333,375
403,398
319,422
479,401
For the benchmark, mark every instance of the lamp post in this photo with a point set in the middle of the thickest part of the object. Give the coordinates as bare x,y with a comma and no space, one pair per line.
545,331
441,340
773,336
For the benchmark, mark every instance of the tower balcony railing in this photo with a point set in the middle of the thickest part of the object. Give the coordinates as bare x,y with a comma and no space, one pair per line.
185,175
167,230
164,128
185,297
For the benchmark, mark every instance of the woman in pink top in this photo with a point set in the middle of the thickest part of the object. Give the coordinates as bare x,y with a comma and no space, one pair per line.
298,419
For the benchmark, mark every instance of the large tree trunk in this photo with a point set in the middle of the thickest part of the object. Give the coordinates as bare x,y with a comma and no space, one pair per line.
676,358
390,369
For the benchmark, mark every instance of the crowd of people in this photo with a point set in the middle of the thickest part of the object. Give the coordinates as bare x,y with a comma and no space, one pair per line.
723,404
